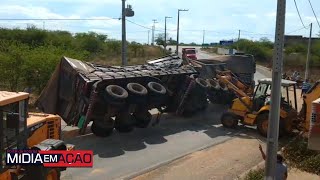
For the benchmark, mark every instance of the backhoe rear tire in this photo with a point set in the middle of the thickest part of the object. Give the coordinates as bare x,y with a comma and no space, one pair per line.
229,120
42,173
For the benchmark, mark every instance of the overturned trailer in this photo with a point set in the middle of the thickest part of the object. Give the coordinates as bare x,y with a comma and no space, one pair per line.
116,97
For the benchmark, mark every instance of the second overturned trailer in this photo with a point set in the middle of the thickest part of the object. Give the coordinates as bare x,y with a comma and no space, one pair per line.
120,98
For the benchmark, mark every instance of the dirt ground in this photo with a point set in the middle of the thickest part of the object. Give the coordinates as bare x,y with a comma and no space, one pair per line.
223,161
295,174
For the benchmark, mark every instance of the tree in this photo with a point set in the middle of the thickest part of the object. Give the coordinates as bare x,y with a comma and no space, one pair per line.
172,42
160,39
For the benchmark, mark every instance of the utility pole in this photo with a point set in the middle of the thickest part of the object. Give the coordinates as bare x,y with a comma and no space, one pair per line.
148,36
124,41
153,28
274,115
165,32
177,47
238,40
126,12
306,76
203,37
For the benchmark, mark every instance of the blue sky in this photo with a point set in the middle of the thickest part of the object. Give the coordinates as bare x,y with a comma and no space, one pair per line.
219,19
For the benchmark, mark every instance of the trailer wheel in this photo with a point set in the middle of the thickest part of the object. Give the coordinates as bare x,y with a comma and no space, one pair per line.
137,89
213,84
193,76
124,123
142,118
116,92
203,83
229,120
157,88
101,128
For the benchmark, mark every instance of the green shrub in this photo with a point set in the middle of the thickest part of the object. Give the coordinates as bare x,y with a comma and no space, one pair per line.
28,57
257,174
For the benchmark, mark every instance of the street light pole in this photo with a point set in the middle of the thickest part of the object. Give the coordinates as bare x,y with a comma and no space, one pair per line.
124,41
153,28
274,115
177,47
165,32
306,76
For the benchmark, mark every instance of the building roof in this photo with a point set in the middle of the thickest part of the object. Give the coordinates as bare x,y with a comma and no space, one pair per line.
7,97
284,82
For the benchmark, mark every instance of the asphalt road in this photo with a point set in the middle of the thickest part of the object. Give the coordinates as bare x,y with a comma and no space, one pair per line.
125,155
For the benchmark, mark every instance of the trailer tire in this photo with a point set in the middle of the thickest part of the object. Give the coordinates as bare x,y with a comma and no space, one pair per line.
116,92
101,129
213,84
137,89
193,76
157,88
201,82
123,123
142,119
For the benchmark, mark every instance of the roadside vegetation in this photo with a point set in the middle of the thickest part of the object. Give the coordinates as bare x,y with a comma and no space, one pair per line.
28,57
296,155
257,174
299,156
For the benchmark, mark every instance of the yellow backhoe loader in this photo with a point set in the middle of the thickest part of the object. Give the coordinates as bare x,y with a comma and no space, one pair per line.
254,110
20,130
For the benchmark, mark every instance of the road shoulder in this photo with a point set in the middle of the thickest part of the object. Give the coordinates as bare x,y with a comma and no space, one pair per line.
223,161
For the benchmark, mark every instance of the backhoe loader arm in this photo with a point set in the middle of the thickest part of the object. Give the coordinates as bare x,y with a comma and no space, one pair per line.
231,85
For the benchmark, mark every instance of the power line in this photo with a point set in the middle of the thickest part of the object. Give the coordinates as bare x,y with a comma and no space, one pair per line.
139,24
296,30
299,14
314,13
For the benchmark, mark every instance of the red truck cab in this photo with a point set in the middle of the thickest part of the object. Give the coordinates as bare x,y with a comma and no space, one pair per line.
189,53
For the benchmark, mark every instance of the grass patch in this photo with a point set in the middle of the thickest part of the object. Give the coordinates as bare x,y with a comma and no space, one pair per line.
299,156
257,174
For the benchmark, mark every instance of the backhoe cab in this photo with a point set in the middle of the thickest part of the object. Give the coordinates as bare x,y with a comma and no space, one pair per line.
255,110
20,130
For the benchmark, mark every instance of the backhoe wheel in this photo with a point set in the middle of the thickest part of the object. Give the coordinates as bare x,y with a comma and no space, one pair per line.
229,120
42,173
101,128
263,123
53,174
